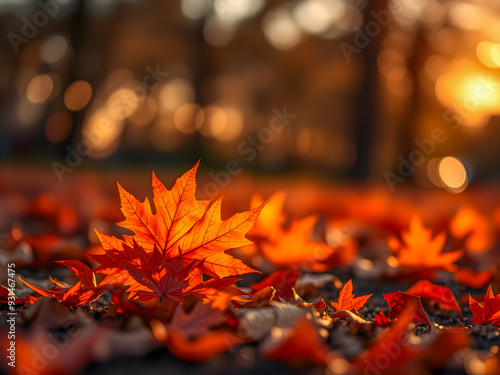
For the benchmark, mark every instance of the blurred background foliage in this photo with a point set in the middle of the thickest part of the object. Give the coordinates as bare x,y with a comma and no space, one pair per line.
167,82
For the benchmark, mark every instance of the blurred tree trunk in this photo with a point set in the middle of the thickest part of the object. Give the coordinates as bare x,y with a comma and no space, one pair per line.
366,103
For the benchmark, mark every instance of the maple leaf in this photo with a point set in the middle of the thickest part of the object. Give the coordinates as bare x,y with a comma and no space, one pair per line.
440,294
487,312
421,250
82,293
149,274
291,247
347,301
173,248
400,301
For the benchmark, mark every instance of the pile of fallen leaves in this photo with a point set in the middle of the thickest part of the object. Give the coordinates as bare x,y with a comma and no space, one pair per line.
167,281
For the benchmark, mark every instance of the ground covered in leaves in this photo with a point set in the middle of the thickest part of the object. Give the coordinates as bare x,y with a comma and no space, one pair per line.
311,280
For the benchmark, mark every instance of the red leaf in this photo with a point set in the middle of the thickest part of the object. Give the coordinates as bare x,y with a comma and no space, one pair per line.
487,312
5,293
282,281
437,293
397,302
82,293
382,320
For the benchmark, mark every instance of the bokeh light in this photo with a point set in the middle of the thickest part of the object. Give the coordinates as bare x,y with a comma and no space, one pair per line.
453,174
489,54
122,103
313,16
39,88
54,49
145,113
281,30
174,93
224,124
102,132
77,95
188,118
195,9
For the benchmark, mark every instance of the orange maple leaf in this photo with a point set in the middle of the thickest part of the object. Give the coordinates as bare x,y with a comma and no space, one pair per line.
421,250
347,301
487,312
172,248
150,274
292,247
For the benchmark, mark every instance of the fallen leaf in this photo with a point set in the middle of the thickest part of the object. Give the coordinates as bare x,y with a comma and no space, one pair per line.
297,344
282,281
397,301
349,315
439,294
420,250
172,248
473,279
487,312
382,320
347,301
291,247
6,295
197,322
393,353
82,293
